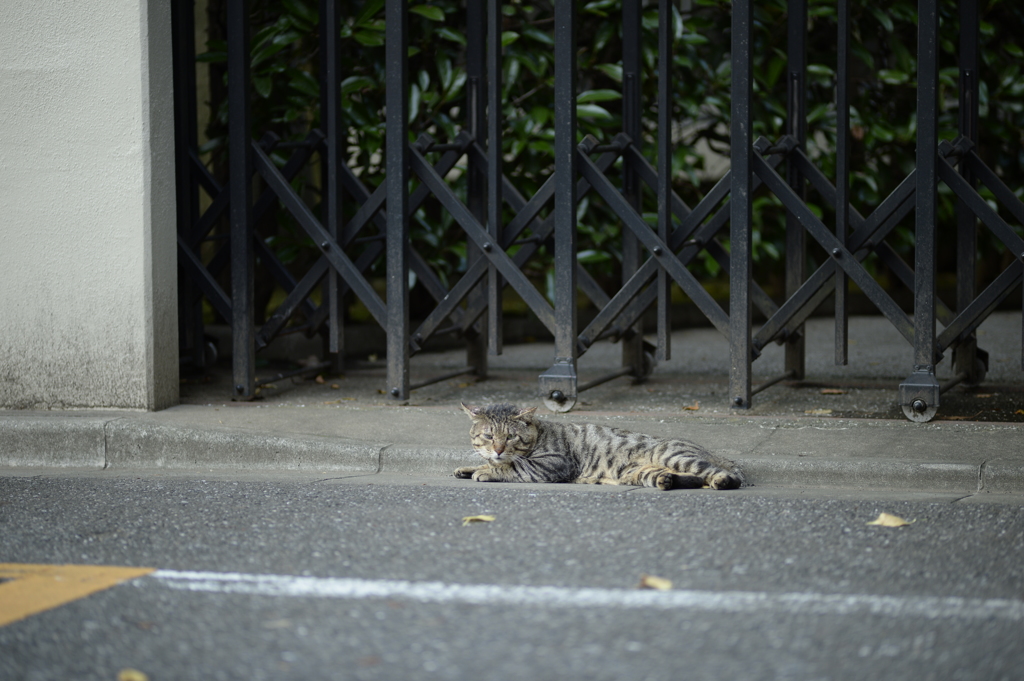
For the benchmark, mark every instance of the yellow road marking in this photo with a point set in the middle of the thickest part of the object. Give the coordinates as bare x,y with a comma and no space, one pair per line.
35,588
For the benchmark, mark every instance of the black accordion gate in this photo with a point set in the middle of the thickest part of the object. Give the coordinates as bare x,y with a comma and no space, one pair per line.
652,257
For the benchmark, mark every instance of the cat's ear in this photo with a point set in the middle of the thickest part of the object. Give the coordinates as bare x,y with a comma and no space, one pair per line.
473,412
526,414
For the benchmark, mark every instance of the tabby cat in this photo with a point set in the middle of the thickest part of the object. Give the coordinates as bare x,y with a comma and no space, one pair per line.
519,448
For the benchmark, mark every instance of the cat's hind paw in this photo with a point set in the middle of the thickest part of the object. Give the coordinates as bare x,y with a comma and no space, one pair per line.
724,480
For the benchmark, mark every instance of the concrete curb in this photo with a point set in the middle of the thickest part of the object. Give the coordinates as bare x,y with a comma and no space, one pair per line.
958,458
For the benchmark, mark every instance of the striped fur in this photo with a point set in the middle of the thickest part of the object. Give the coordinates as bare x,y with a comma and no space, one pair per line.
519,448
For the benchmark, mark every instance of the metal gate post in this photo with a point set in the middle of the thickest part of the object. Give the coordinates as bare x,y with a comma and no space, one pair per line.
919,394
190,308
495,284
558,384
740,204
476,200
842,322
334,148
664,188
966,358
633,346
240,173
796,127
397,229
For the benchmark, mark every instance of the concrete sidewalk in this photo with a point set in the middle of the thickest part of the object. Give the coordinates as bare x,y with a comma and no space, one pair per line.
841,427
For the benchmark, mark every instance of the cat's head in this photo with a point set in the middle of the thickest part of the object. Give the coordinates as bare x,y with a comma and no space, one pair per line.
502,432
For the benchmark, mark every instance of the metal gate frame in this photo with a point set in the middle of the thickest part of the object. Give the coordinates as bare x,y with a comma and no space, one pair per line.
652,258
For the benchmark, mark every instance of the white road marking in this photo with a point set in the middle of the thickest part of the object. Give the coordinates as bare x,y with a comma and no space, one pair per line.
561,597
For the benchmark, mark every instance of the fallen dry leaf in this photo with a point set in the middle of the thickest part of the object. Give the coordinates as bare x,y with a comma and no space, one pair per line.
889,520
334,386
319,379
333,402
1019,411
984,395
818,412
832,391
469,519
652,582
131,675
692,407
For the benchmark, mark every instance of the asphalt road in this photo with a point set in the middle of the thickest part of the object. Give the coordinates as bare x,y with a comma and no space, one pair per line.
378,578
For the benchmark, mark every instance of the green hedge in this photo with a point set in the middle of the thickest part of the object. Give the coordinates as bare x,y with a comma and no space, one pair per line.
285,62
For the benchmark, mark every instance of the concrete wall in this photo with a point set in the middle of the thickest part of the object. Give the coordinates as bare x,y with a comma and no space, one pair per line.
87,213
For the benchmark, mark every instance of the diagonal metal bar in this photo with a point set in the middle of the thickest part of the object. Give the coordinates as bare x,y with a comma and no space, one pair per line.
840,254
981,307
1003,194
207,284
526,212
980,207
873,229
291,303
666,259
304,216
491,251
630,302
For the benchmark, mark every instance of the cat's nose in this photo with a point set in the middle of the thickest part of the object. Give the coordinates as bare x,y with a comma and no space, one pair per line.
498,449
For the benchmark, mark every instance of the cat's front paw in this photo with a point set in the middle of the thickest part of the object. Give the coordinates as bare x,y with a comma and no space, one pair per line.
465,471
484,475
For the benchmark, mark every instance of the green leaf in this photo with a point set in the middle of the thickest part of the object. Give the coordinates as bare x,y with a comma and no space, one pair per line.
308,16
354,83
884,19
304,82
369,38
451,34
598,96
263,85
429,11
592,111
893,76
592,256
370,9
534,33
613,71
508,37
